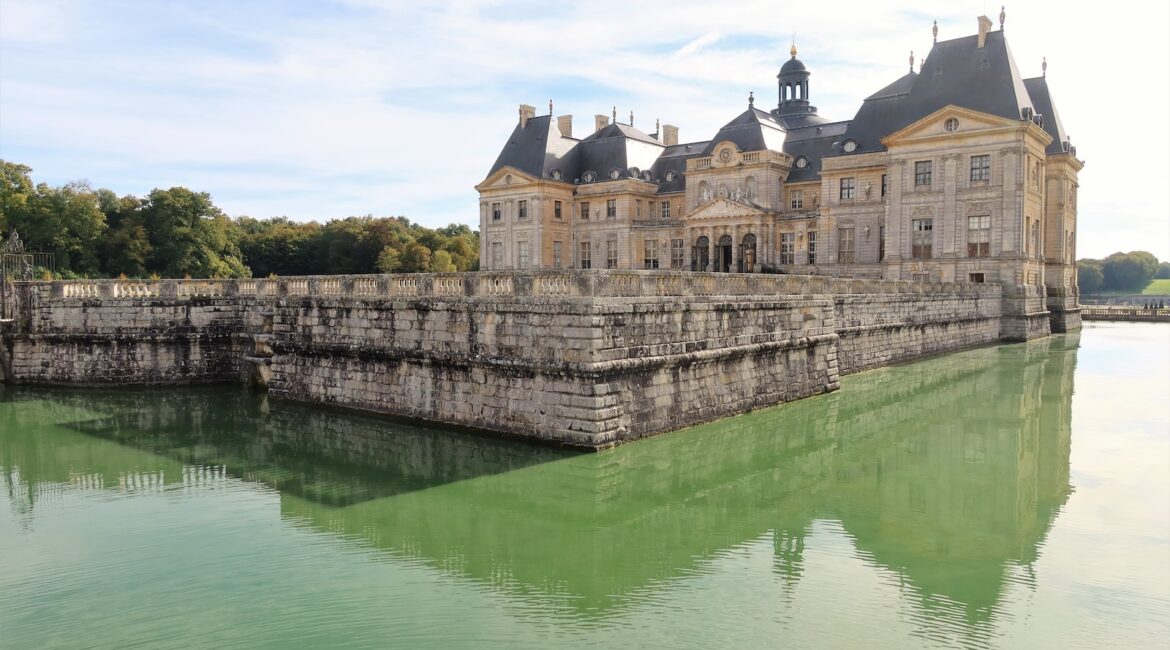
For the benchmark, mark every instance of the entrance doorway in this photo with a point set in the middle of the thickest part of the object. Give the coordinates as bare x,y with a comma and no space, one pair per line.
701,254
723,255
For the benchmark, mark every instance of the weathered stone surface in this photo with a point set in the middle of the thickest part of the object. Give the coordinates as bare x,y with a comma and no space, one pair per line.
587,359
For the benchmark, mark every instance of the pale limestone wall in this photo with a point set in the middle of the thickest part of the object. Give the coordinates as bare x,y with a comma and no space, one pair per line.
580,358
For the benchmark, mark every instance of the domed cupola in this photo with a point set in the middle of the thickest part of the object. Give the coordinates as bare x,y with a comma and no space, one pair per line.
793,79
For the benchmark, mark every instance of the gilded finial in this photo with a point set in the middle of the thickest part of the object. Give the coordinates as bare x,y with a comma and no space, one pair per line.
792,50
934,30
1044,67
751,98
911,60
1002,17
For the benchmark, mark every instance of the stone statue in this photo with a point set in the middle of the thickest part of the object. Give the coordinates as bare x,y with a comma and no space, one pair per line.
706,194
868,189
737,195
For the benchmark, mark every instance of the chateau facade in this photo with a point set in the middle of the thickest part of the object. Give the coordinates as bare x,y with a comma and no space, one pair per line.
960,172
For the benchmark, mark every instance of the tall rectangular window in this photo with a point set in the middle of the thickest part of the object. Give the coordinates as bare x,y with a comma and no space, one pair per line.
922,172
796,199
666,209
676,253
650,253
881,243
981,168
848,187
584,211
922,238
611,253
497,256
557,209
812,247
611,209
523,255
558,260
585,259
497,214
522,209
979,236
787,247
885,185
846,245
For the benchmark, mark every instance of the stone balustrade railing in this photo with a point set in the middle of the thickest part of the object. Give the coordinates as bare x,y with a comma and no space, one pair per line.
507,284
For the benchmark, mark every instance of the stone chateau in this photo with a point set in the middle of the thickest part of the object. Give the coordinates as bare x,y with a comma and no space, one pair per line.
959,172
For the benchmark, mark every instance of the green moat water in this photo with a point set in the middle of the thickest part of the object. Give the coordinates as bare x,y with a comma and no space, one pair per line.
1011,496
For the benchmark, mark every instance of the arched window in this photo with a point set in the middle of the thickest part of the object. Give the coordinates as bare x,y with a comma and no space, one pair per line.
749,187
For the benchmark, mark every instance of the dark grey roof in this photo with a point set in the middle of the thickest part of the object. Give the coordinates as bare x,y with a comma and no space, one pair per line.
1042,103
536,148
900,87
955,72
674,159
812,143
617,147
751,130
792,65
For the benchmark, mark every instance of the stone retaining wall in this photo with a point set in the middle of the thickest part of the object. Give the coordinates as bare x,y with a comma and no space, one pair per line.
586,358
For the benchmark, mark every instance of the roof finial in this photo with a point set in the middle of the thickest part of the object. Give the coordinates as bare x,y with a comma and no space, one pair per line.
921,65
615,114
657,126
550,107
1002,16
911,60
751,99
1044,67
792,50
631,117
934,30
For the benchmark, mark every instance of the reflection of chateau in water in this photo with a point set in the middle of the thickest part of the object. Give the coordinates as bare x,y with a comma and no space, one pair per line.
946,472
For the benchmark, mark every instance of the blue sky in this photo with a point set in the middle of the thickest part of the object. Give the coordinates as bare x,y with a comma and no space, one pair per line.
329,109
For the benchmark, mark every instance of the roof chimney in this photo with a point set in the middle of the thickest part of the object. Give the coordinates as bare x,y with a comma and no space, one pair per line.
565,124
526,113
600,122
984,27
669,135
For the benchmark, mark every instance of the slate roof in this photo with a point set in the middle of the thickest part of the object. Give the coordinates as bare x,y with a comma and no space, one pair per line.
751,130
536,148
955,72
674,159
813,143
1042,102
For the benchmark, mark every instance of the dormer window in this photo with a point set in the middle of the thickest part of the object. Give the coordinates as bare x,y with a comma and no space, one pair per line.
615,174
849,146
669,176
801,162
589,177
556,174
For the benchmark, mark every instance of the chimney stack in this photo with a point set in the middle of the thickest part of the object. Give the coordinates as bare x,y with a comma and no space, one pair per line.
565,124
984,27
526,113
669,135
600,122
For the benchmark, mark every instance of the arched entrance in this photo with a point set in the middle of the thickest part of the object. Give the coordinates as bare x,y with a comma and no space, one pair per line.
723,254
701,254
747,253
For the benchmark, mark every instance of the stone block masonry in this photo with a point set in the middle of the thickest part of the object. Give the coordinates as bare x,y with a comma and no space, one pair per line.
582,358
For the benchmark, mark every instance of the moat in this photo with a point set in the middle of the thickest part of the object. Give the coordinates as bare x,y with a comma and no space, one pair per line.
1008,496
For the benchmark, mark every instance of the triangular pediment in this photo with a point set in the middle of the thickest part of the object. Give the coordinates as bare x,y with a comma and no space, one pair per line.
935,125
505,176
723,207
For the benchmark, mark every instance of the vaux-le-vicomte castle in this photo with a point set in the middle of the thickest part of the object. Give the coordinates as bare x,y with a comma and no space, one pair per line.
959,172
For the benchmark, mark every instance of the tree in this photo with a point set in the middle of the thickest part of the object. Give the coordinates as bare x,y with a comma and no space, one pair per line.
1128,271
1163,272
65,221
441,262
416,258
15,187
389,260
190,236
1089,276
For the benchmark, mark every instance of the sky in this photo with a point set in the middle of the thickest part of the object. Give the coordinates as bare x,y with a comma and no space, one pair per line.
321,110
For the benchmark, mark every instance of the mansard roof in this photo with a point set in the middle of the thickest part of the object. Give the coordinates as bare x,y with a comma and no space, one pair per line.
955,72
1042,102
751,130
536,148
674,159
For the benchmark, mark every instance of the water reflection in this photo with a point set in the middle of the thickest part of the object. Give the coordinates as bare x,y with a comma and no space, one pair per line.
946,474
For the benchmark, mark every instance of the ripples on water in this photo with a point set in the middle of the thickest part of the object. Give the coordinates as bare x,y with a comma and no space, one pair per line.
1015,496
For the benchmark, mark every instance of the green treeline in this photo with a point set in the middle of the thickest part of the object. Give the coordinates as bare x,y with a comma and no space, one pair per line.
180,233
1130,271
